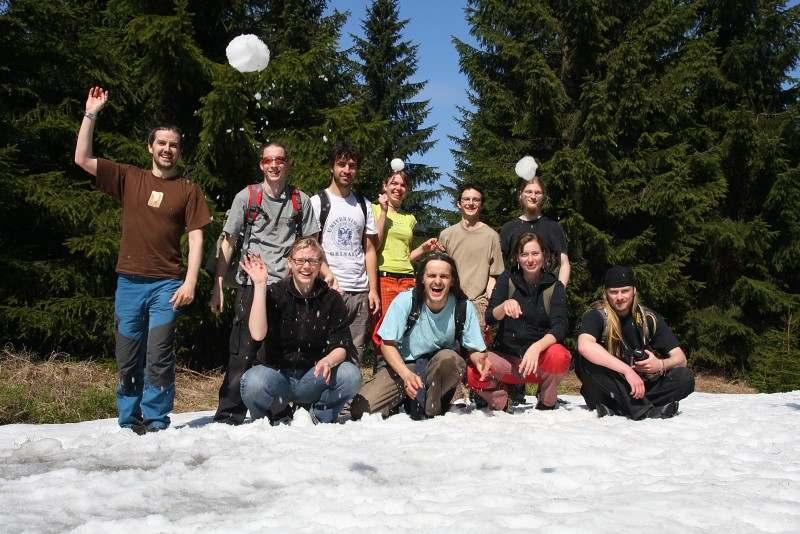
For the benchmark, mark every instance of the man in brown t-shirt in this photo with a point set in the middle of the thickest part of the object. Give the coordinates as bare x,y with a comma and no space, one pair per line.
158,206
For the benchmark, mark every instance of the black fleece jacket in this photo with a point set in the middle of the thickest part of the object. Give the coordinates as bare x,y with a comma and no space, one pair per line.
301,330
514,336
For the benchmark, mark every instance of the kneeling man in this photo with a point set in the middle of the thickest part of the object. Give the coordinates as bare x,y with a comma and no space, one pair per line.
631,363
422,332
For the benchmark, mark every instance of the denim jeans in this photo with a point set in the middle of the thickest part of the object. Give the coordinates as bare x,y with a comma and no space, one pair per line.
266,390
145,337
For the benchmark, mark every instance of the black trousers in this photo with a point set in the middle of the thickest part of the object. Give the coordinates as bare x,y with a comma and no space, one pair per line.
243,352
601,385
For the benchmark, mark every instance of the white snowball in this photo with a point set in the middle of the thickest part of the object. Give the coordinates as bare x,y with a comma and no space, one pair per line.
247,53
526,168
397,165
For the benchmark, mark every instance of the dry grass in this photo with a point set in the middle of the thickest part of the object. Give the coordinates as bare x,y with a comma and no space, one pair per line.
57,389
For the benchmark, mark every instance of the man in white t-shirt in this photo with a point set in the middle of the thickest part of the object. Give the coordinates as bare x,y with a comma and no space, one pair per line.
348,237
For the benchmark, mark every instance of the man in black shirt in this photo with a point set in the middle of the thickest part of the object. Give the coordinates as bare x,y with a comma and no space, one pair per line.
630,362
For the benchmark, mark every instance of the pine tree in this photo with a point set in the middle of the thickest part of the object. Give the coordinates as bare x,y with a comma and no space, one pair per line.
387,64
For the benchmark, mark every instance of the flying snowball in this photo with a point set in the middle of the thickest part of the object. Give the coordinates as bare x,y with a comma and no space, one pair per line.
526,168
397,165
247,53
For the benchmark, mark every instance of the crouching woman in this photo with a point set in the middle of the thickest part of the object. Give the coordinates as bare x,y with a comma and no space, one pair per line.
529,303
308,350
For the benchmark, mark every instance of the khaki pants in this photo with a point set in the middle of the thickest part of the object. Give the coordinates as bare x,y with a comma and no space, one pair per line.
386,390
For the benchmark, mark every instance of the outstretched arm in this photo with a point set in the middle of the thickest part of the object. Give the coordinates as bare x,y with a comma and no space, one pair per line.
84,157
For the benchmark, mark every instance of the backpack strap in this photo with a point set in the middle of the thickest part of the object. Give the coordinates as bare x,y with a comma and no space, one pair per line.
648,324
324,210
460,318
413,315
297,207
255,195
547,296
598,305
363,203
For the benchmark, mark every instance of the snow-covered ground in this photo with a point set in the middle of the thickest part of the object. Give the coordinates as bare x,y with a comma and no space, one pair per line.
727,463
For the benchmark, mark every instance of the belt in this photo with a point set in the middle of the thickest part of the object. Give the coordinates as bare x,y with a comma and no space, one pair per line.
384,274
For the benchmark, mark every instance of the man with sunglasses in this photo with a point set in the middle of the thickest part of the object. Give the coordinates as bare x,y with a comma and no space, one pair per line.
279,220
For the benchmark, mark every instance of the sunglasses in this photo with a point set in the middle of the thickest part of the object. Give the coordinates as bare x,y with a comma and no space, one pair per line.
277,161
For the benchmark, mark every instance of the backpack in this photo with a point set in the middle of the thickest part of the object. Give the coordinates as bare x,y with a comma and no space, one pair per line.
255,196
325,209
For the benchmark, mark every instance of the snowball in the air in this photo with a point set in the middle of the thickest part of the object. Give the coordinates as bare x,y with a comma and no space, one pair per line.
526,168
247,53
397,165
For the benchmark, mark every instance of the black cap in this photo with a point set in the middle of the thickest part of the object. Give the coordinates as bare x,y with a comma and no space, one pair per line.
619,276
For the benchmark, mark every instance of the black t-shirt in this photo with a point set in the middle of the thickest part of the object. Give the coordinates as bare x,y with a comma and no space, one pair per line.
548,229
661,342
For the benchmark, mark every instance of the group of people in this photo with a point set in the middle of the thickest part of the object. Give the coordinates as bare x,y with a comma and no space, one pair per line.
317,278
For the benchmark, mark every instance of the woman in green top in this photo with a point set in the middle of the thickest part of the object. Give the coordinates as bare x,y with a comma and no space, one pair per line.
395,232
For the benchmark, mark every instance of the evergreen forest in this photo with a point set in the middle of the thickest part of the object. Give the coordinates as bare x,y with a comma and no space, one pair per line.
667,132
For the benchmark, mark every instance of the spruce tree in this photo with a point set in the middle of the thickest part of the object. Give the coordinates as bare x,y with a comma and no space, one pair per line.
386,64
665,133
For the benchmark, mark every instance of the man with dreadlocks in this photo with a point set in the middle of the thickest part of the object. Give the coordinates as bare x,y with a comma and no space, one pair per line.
630,362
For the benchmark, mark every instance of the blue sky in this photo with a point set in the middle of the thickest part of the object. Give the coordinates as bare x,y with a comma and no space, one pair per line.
431,26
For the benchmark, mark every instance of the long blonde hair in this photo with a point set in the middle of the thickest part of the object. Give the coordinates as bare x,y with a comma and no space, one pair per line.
614,336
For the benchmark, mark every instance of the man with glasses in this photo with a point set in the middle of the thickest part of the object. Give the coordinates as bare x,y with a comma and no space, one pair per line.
282,215
348,236
475,247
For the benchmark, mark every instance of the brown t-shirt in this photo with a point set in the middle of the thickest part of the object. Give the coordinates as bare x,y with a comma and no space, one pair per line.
155,213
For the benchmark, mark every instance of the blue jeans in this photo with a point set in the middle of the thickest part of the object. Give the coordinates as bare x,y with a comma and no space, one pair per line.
266,390
145,338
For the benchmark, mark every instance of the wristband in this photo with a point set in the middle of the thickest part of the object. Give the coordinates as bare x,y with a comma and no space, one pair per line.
90,115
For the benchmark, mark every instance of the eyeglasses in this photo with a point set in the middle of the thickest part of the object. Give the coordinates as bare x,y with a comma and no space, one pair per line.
532,194
277,161
471,200
313,262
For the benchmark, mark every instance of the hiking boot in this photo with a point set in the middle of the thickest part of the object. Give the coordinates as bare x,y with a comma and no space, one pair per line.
516,394
603,410
284,416
542,406
479,402
139,428
663,412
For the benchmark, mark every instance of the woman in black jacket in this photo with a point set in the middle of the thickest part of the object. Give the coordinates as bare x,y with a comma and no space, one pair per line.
307,349
530,305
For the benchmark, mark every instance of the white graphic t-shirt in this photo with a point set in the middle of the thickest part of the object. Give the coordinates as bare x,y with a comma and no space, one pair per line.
342,240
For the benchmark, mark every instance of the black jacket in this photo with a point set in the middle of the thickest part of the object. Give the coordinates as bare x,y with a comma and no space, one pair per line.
514,336
303,330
